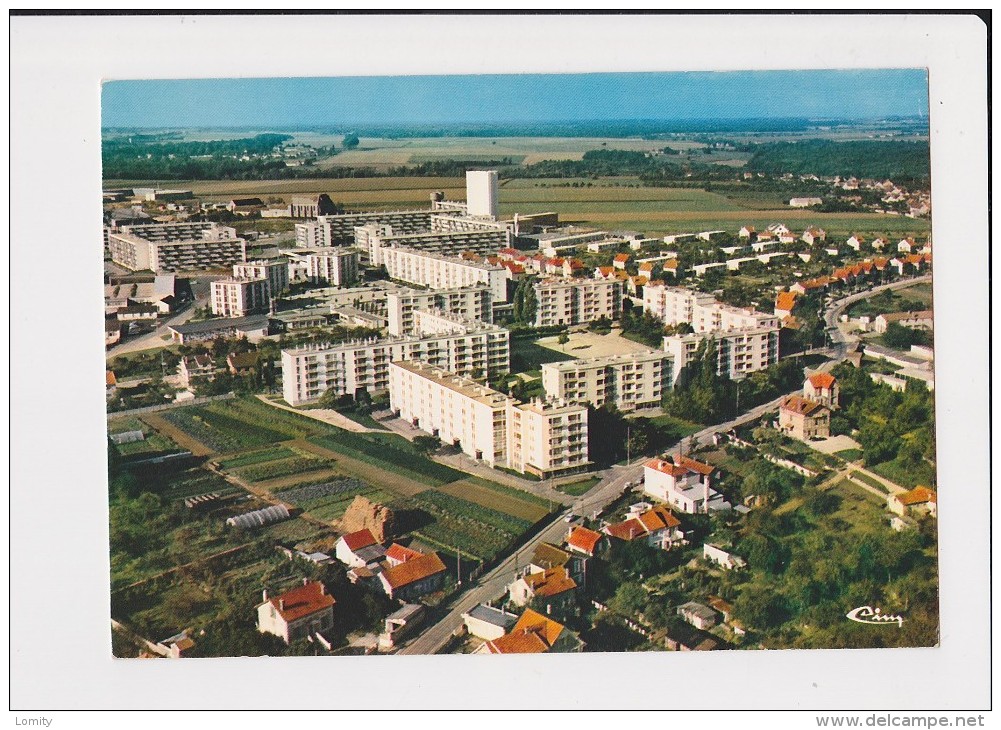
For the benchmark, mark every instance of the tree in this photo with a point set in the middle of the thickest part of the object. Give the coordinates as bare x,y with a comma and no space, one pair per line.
563,339
350,141
427,444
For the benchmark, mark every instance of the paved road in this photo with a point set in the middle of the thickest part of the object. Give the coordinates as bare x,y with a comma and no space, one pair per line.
154,338
835,310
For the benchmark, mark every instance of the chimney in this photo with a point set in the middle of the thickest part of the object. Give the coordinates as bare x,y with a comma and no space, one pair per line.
705,493
323,589
305,581
281,604
265,595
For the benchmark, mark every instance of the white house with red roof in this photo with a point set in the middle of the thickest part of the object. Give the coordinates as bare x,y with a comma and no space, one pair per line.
584,541
683,483
656,525
297,614
358,549
822,388
620,260
413,578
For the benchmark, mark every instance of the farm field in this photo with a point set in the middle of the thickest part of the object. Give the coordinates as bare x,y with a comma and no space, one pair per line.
320,469
154,443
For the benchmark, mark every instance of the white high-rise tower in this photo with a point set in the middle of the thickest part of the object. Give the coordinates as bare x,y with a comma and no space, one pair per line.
481,193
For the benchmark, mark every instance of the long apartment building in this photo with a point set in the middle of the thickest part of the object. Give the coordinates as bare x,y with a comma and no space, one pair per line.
338,230
576,301
541,438
629,381
173,247
674,305
445,243
464,347
471,302
437,271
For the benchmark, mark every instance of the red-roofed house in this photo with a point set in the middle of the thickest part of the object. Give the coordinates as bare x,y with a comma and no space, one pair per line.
813,235
657,526
920,500
804,419
534,634
606,273
554,587
585,541
414,578
822,388
620,261
784,303
298,613
684,483
397,554
354,550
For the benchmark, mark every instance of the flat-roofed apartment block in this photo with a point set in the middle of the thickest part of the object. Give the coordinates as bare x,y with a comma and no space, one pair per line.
274,270
482,240
233,297
739,352
547,438
541,438
338,230
472,302
571,302
455,409
629,381
172,247
334,266
436,271
464,347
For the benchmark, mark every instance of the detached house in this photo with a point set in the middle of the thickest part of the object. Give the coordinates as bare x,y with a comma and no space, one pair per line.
298,613
534,634
918,501
822,388
684,483
359,549
784,303
656,525
414,578
584,541
804,419
554,587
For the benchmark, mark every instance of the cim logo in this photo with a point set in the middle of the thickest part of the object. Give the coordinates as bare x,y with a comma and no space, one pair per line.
870,615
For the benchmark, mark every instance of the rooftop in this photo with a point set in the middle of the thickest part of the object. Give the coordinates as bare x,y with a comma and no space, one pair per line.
414,570
456,383
302,601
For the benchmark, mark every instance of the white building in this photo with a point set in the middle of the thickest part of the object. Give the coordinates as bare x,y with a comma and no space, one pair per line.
315,233
739,352
576,301
297,614
333,266
481,193
234,297
274,270
455,409
472,302
489,426
465,347
436,271
630,381
683,483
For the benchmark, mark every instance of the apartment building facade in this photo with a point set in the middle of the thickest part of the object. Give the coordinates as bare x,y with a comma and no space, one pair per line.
333,266
542,437
738,352
481,240
235,297
274,270
576,301
437,271
630,381
172,247
464,347
472,302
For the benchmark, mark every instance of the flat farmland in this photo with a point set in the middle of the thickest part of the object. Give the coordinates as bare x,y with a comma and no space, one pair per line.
522,505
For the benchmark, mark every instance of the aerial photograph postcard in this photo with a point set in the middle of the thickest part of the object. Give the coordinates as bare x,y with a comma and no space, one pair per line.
519,364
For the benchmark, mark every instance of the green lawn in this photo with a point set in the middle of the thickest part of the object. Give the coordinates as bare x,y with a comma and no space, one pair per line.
527,356
849,454
678,428
576,489
870,481
392,452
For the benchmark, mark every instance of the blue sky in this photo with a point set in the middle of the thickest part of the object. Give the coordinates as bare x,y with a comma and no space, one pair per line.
850,94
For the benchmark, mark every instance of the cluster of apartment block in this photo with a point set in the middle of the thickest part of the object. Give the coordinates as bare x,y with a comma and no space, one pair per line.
436,271
462,346
540,437
746,340
172,247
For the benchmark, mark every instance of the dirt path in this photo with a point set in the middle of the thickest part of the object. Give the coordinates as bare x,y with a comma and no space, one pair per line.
181,438
366,472
330,417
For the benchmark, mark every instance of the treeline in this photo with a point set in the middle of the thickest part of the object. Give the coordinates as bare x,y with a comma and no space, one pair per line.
897,160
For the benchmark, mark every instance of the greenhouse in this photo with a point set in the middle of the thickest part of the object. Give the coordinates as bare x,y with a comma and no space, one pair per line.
260,518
